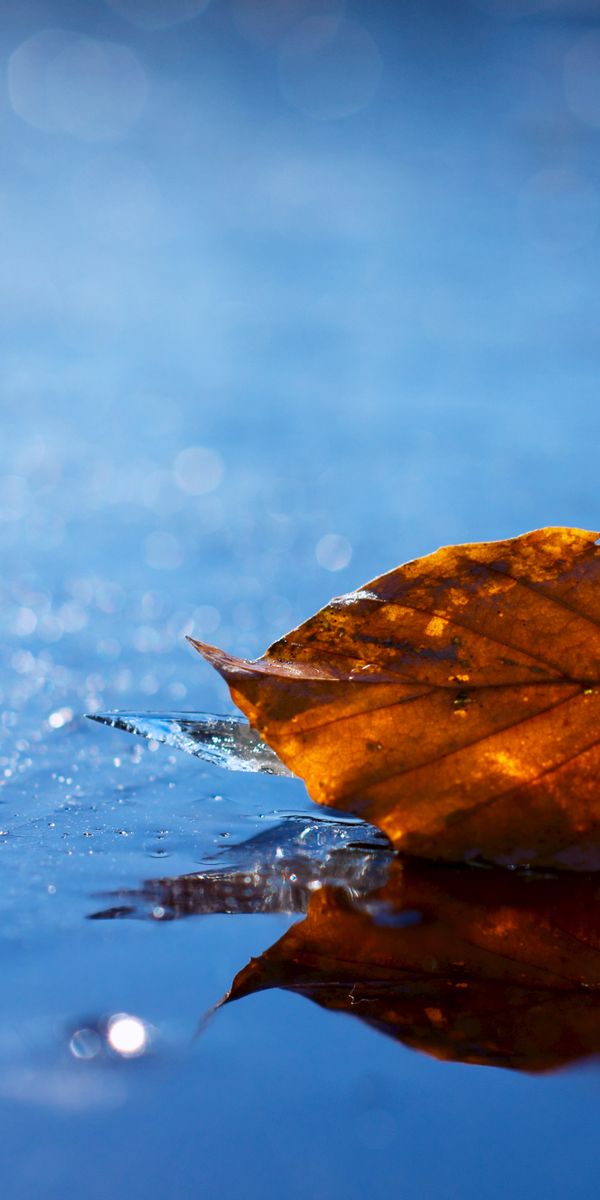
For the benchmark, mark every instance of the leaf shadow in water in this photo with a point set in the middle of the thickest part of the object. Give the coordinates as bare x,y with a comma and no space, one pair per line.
472,965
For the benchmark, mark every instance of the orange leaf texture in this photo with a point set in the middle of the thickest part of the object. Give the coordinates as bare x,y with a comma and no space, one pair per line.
473,966
453,702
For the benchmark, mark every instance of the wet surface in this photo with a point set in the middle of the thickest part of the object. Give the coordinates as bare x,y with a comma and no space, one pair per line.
107,1033
268,330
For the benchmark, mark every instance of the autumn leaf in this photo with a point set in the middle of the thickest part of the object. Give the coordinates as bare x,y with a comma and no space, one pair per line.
475,966
453,702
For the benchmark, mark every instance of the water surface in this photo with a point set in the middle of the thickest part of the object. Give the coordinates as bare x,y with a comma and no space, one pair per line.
281,308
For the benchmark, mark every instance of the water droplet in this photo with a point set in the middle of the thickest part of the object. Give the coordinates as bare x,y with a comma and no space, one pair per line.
85,1043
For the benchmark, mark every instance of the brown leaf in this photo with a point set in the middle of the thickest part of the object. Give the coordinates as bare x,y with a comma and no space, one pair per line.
453,702
475,966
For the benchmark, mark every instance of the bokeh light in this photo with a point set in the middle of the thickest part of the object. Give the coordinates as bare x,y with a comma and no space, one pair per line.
333,552
206,619
328,68
582,78
158,14
61,717
85,1043
265,22
163,551
128,1036
64,83
198,470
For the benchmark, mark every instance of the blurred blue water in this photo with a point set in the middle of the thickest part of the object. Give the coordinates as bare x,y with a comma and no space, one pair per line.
290,291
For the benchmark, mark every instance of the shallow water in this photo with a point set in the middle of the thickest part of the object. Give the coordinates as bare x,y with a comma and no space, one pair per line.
269,329
272,1091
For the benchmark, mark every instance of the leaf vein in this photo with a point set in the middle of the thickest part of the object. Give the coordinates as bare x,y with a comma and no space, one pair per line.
477,741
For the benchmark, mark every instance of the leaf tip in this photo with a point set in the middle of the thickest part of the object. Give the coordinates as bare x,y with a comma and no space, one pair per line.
228,665
216,657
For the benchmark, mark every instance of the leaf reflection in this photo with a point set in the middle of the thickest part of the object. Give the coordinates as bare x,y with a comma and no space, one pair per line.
276,871
472,965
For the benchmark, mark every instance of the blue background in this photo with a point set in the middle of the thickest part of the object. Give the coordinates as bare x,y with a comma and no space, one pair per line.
290,291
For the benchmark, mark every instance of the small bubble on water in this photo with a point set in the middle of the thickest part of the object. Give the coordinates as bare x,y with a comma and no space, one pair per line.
85,1043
